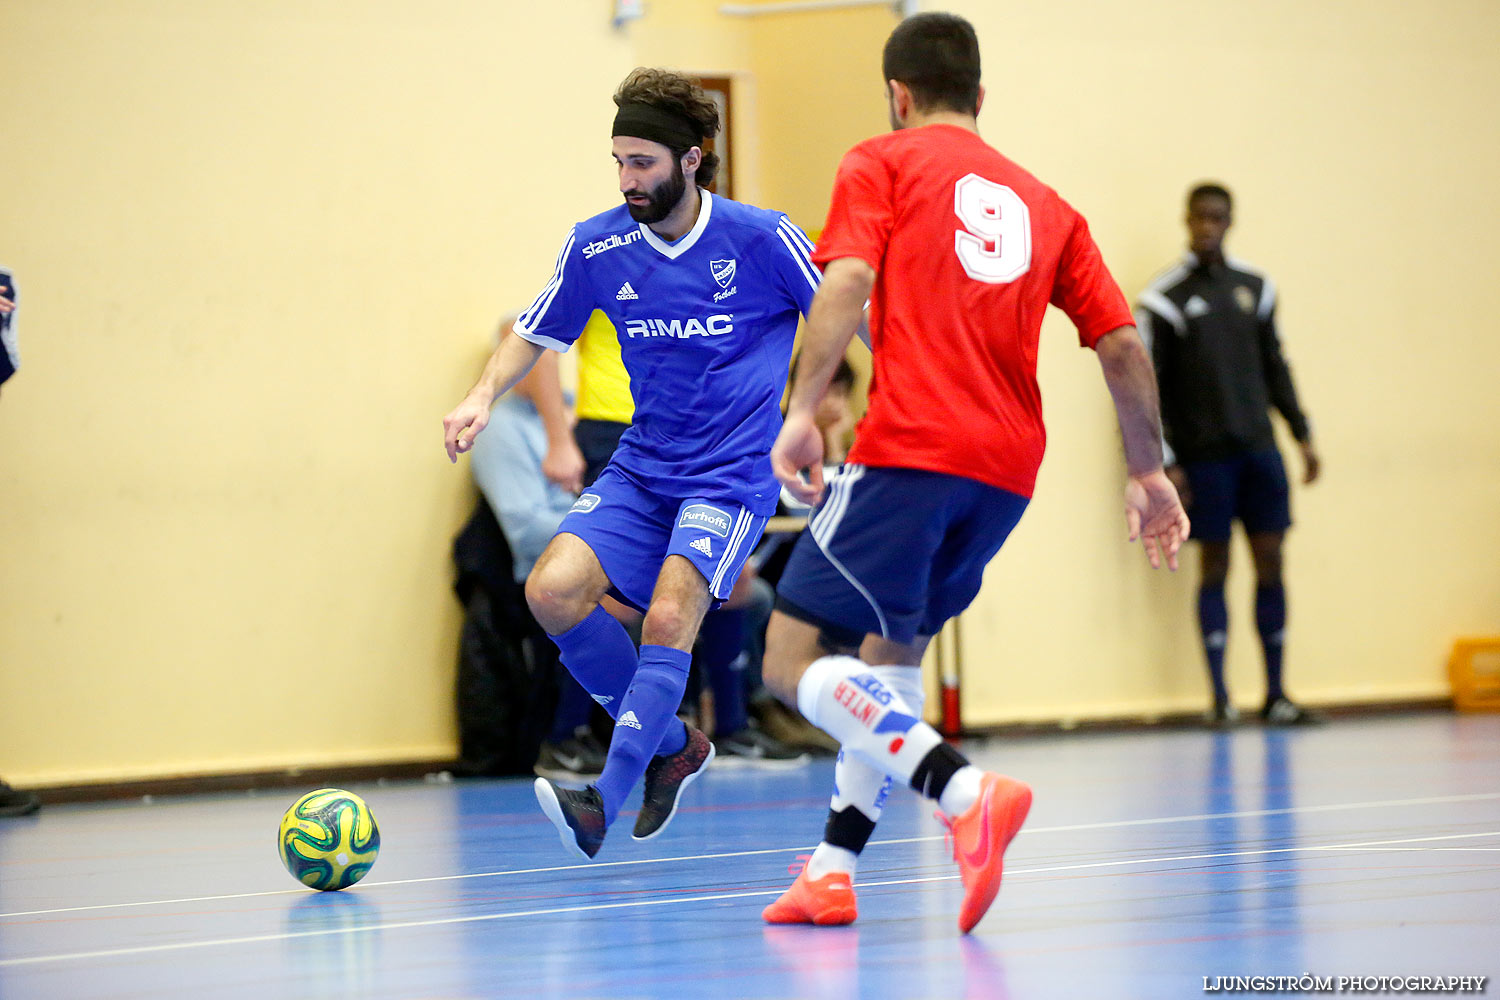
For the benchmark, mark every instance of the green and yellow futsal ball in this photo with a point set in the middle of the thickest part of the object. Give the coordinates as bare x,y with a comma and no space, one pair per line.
329,839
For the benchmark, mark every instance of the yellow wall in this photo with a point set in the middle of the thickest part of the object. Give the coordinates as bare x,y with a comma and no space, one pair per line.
1359,139
260,249
820,93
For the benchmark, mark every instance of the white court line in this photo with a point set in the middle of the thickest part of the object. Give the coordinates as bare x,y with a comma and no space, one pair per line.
1379,846
1106,825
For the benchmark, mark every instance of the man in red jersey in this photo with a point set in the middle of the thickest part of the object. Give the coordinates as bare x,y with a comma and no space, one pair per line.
959,251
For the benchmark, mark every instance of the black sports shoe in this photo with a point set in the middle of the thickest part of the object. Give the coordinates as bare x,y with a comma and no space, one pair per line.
578,816
1284,712
666,777
17,803
752,748
572,760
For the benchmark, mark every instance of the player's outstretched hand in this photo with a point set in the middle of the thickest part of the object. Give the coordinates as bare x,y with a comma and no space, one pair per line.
1155,516
798,450
463,424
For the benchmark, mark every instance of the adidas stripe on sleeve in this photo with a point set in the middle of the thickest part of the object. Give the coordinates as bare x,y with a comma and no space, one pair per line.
799,275
557,316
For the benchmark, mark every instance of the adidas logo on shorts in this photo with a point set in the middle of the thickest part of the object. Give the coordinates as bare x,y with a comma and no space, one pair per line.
628,719
626,292
703,545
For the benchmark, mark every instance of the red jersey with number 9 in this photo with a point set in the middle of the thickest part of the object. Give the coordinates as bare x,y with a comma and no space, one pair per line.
968,249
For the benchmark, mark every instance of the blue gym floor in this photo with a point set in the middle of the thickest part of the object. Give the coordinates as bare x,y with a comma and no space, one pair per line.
1152,859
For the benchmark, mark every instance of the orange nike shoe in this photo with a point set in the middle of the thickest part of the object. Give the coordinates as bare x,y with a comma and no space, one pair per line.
827,902
980,837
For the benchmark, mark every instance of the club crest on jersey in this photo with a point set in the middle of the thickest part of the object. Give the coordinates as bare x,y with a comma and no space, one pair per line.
1245,299
723,271
584,504
710,519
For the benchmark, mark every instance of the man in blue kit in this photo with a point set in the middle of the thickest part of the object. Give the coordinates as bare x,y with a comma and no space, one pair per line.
705,294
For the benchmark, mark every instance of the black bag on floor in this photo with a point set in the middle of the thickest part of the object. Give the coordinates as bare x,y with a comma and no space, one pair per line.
507,667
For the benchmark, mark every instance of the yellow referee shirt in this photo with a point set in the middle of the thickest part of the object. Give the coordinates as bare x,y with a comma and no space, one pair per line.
603,382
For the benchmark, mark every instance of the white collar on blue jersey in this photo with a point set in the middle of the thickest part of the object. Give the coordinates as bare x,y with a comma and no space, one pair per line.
672,251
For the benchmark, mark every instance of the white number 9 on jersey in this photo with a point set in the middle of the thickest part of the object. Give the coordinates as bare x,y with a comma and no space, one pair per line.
995,244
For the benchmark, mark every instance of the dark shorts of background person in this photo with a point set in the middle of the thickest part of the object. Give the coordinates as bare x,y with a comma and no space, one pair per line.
894,553
1250,486
597,439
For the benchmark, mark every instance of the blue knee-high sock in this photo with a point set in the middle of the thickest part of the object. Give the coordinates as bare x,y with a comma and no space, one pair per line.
573,704
647,714
599,653
721,639
1270,619
1213,622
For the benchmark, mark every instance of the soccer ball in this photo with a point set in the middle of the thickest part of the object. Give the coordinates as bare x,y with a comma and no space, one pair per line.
328,839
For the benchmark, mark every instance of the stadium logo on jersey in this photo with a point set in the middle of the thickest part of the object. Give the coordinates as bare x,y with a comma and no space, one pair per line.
714,326
703,545
625,293
584,504
710,519
628,719
1245,299
610,242
723,271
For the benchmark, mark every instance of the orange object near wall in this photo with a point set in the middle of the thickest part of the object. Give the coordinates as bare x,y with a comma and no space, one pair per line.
1474,670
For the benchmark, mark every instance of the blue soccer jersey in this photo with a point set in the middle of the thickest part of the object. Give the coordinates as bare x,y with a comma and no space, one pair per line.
705,325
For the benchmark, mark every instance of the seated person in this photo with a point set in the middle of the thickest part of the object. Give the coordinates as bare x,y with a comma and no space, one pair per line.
522,474
721,656
835,419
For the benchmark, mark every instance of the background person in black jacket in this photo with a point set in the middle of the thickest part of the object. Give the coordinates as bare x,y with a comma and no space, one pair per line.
1210,322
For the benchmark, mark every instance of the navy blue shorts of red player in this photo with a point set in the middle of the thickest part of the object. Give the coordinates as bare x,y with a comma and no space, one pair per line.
895,552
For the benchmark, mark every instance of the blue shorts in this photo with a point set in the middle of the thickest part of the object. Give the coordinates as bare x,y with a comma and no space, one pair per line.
632,531
895,552
1251,486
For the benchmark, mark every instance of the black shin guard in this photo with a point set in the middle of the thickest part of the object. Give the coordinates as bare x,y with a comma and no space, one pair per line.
848,828
935,770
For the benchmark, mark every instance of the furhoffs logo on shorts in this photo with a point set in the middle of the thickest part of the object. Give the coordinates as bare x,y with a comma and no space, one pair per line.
710,519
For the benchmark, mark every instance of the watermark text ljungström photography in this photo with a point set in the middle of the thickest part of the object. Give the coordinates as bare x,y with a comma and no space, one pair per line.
1345,984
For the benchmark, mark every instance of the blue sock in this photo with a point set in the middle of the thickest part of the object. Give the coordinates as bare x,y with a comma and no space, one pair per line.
573,706
599,653
1213,622
1270,619
721,639
647,714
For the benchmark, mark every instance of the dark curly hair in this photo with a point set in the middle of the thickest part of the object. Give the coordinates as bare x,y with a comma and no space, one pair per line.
681,95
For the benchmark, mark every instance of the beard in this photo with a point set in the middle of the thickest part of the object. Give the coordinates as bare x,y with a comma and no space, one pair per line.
662,198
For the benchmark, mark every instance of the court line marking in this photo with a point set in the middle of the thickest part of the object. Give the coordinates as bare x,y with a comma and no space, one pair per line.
1104,825
1376,845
